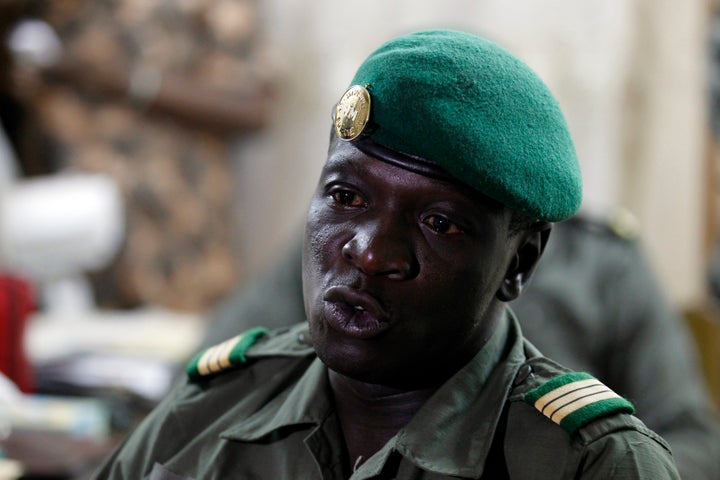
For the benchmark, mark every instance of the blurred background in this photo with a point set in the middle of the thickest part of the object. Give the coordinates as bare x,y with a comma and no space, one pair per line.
156,154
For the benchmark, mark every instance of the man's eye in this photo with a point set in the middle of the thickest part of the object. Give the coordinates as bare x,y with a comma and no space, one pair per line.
348,198
442,225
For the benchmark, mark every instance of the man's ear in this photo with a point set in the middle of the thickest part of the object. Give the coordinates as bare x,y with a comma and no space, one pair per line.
530,249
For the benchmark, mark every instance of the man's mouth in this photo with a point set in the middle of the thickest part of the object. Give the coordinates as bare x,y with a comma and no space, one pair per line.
354,313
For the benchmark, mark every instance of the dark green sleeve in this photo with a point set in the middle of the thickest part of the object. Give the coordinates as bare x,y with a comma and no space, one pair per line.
613,446
628,455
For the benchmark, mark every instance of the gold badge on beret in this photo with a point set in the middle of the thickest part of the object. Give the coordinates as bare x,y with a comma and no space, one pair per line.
352,113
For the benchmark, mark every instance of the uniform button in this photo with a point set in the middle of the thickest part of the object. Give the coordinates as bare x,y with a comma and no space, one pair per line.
522,374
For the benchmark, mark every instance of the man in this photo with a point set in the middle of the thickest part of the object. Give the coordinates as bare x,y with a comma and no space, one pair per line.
448,161
593,305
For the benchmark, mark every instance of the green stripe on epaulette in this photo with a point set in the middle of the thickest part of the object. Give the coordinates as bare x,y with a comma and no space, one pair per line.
224,355
573,400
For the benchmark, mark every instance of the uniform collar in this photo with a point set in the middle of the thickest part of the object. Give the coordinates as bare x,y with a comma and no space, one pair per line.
462,415
307,403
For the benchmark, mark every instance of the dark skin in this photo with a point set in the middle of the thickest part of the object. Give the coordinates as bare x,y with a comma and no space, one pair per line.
405,279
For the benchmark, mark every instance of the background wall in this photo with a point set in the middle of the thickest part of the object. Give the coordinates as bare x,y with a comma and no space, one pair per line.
629,75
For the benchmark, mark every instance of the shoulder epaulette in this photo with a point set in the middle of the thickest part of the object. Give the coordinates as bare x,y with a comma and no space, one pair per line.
624,224
573,400
224,355
620,223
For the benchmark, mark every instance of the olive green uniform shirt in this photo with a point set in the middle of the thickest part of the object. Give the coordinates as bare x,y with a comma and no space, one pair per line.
592,305
273,418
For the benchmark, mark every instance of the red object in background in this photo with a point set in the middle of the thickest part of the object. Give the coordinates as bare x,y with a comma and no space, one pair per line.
17,301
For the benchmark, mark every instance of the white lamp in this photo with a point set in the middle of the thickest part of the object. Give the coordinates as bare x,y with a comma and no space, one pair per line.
55,229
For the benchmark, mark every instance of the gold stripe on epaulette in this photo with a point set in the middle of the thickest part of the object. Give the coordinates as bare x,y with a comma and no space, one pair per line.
561,402
217,357
574,399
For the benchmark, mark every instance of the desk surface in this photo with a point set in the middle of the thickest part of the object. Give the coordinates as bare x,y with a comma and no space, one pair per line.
164,334
44,454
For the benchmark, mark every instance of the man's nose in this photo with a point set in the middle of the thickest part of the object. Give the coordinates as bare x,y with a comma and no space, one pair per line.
382,249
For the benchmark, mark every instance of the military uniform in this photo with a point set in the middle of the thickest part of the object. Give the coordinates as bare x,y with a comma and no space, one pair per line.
273,417
593,304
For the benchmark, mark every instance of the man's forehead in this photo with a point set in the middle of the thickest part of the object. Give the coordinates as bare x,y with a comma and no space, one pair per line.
343,156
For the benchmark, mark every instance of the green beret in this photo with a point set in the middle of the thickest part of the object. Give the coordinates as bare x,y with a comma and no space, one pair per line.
467,105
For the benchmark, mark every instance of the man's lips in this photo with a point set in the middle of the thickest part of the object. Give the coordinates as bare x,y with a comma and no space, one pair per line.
354,313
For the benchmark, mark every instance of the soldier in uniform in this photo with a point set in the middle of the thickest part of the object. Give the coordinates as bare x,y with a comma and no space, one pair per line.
448,162
593,305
